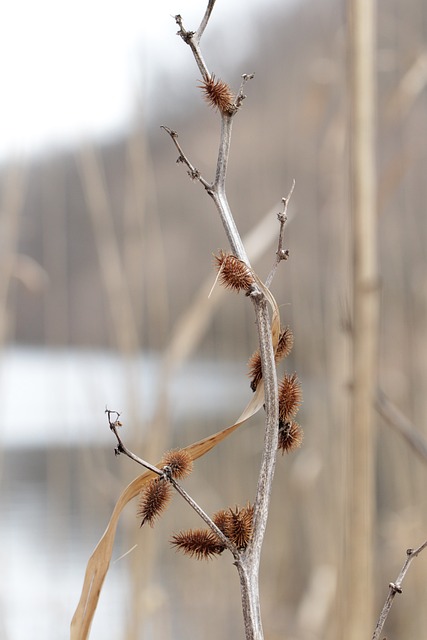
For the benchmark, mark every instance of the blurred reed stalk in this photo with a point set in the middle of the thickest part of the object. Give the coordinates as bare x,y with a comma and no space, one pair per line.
359,575
10,215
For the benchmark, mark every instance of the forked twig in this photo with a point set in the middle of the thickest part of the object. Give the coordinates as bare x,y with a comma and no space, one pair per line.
396,587
205,20
281,253
165,473
121,448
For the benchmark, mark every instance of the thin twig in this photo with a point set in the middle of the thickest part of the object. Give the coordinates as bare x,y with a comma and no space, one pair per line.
241,96
165,472
121,448
191,38
281,253
205,20
230,546
396,587
192,171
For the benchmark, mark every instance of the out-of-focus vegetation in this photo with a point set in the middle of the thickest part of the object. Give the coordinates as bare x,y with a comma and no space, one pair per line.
108,244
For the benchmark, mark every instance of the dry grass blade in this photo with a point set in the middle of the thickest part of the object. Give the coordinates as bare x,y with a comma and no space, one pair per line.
99,562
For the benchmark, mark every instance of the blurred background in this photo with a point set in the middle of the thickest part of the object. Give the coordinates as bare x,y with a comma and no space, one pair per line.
106,265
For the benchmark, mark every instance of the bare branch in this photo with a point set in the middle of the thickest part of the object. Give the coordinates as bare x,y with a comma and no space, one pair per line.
192,171
241,96
121,448
396,587
192,40
205,20
281,253
211,524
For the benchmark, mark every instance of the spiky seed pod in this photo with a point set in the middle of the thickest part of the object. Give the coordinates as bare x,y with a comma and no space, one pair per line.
241,525
290,436
218,94
199,543
290,397
283,349
179,462
233,273
285,344
222,521
255,370
154,499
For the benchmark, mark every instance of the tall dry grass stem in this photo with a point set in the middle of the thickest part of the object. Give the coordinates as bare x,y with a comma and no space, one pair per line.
359,580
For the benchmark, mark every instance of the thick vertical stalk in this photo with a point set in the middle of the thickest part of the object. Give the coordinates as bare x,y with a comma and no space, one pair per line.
249,567
361,483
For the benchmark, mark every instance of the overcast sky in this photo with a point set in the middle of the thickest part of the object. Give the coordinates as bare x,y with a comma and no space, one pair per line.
71,69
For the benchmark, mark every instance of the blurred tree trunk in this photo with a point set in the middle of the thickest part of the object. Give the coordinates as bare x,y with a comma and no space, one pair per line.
359,592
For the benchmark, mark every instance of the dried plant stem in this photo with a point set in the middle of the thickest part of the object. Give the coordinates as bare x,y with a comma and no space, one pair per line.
396,587
358,620
247,562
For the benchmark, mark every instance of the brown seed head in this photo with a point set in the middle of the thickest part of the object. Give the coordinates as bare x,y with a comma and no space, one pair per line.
285,344
283,349
241,526
233,273
154,499
218,94
290,397
290,436
255,370
222,521
199,543
179,461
